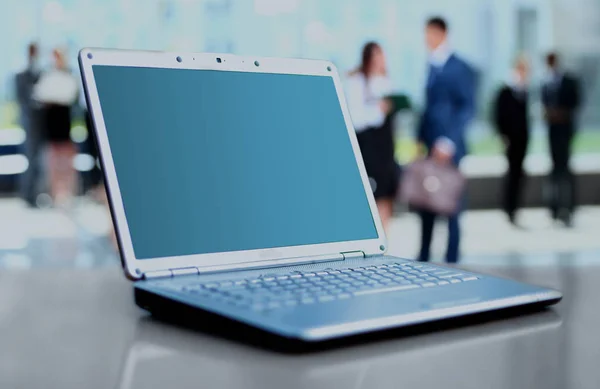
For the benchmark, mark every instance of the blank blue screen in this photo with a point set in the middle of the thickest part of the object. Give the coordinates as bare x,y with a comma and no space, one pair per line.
215,161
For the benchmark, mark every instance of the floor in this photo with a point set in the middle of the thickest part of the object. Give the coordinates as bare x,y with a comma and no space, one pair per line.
80,237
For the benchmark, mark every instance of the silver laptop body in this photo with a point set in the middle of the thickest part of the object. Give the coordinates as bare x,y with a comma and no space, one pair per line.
237,189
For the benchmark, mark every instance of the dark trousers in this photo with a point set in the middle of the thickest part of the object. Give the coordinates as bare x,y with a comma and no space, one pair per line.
515,176
31,181
562,180
427,226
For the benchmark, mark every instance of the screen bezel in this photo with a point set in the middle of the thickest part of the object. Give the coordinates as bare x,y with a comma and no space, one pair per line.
136,268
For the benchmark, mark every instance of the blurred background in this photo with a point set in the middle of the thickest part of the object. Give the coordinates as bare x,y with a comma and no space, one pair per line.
489,34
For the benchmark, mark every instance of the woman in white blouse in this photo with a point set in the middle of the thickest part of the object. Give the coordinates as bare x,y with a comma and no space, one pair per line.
366,90
57,92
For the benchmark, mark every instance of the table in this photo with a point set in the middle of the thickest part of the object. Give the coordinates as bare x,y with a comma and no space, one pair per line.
67,328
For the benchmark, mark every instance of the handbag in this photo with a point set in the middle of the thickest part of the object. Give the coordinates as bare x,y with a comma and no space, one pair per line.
431,186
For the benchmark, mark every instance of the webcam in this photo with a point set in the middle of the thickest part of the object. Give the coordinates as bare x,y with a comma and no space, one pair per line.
179,59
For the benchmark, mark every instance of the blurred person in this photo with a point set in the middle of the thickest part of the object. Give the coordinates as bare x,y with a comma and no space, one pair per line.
511,117
366,88
561,98
90,147
450,106
29,118
57,91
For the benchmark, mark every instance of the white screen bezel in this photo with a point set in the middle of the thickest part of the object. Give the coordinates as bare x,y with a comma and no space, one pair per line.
135,268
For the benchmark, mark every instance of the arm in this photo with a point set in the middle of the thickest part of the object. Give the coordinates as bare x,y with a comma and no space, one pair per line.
574,98
463,94
501,112
20,92
545,98
465,90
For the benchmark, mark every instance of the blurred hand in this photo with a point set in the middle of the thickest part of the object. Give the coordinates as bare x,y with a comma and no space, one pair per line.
441,155
385,106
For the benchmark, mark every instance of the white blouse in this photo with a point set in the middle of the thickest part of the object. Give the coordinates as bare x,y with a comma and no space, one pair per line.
363,100
56,87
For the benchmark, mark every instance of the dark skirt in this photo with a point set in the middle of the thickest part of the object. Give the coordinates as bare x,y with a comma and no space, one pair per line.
377,148
57,123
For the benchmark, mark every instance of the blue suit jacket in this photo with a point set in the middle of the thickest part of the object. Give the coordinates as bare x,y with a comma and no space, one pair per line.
450,105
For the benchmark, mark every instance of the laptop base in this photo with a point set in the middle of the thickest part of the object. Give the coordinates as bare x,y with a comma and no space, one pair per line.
196,319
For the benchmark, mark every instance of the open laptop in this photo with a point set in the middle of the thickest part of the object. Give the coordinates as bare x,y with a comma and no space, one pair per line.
237,189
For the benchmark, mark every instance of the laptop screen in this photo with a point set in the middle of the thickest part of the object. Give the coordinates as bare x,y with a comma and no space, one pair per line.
215,161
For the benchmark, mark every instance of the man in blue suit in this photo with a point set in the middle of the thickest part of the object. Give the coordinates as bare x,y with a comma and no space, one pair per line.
449,108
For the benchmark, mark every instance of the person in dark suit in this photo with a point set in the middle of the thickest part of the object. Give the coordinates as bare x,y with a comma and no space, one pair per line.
450,106
511,117
29,117
561,97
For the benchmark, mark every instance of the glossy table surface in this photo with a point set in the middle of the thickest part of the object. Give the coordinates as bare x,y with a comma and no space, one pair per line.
77,328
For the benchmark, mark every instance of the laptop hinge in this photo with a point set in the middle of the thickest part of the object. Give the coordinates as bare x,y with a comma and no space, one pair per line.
354,254
171,273
250,266
158,274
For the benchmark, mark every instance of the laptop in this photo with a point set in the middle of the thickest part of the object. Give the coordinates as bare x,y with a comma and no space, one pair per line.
238,191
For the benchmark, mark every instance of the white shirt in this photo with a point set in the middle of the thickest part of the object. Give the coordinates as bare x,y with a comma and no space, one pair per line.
363,98
440,55
56,87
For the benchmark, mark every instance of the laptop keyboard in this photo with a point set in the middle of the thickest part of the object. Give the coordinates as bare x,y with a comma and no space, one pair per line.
276,292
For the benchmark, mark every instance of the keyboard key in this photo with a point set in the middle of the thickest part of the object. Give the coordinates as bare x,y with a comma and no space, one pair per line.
470,278
443,283
455,281
344,296
385,290
325,298
308,300
273,305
